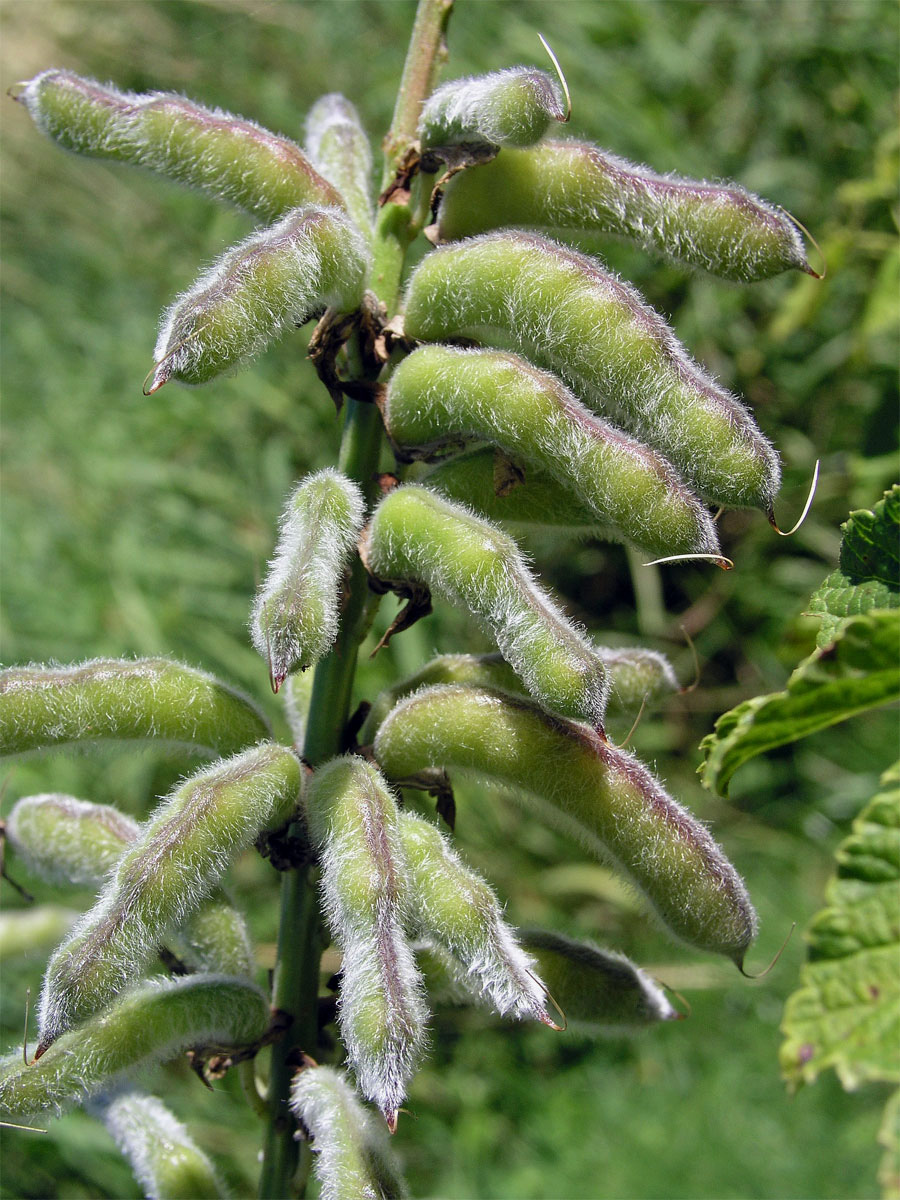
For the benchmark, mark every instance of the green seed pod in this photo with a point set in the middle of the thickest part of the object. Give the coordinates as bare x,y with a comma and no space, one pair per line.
635,675
416,535
182,851
33,930
454,907
338,147
483,479
223,156
297,694
144,699
354,822
573,187
296,611
352,1156
513,107
166,1161
522,292
441,396
69,841
152,1024
278,277
586,787
598,990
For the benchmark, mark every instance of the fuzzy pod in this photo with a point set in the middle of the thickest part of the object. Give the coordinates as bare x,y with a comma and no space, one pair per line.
565,313
598,990
586,787
181,853
574,187
339,148
352,1157
296,611
278,277
152,1024
165,1159
124,700
354,822
33,930
417,535
513,107
635,675
74,842
441,396
226,157
452,906
297,696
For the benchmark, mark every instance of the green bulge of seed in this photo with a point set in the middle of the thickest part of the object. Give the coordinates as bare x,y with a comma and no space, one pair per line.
636,675
69,841
224,156
565,313
153,1023
181,853
296,611
352,1157
587,787
278,277
513,107
576,187
596,989
417,535
338,147
440,395
144,699
166,1161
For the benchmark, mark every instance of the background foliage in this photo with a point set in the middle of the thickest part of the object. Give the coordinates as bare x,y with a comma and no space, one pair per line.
140,526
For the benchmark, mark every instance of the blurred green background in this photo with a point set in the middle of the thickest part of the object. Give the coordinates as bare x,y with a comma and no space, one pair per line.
135,526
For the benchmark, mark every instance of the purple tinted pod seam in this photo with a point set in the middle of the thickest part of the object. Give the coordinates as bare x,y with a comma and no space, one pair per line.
224,156
278,277
183,850
586,787
417,535
562,311
441,395
574,187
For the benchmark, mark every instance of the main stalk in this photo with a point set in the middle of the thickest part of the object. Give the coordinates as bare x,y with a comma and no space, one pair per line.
300,943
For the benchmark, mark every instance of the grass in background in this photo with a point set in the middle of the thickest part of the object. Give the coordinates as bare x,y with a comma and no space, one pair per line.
140,526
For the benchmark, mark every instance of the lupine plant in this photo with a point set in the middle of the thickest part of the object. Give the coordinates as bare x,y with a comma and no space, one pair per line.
519,384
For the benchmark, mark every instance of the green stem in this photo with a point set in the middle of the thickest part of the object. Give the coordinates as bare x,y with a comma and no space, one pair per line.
296,982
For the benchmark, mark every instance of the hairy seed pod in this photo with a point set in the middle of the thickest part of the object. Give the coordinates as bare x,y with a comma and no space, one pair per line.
33,930
441,396
68,841
166,1161
124,700
416,535
596,989
183,850
454,907
224,156
339,148
295,614
586,787
152,1024
352,1158
312,259
635,675
354,822
574,187
522,292
513,107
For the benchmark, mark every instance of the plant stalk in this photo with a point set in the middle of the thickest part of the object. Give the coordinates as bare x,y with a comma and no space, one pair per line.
300,941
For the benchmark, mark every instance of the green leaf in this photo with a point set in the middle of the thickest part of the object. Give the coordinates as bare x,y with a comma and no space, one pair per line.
846,1012
859,670
869,574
